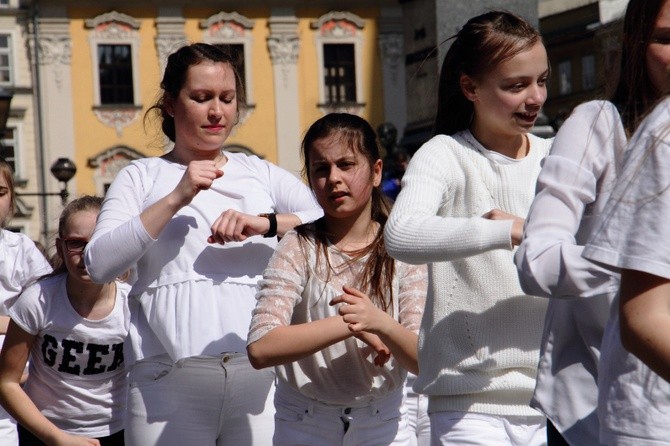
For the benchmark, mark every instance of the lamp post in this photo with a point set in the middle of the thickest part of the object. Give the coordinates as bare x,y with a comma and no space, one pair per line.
63,169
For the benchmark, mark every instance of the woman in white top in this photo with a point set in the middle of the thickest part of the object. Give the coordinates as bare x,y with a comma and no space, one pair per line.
74,331
461,209
198,226
333,305
20,264
573,187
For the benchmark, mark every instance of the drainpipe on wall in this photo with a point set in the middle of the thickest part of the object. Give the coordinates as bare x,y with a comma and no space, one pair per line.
37,102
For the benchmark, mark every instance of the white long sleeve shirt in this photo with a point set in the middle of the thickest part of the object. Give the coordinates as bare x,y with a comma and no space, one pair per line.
633,233
191,297
572,190
480,334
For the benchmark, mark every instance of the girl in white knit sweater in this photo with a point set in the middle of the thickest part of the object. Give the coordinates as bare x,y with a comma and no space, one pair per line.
461,209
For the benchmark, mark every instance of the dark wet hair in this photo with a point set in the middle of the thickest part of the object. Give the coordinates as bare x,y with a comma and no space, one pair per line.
357,134
175,74
483,43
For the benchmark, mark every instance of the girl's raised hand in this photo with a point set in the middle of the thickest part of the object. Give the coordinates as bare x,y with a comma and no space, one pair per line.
199,176
235,226
517,226
365,320
360,313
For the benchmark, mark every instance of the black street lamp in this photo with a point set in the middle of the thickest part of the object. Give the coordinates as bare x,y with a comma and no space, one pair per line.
63,169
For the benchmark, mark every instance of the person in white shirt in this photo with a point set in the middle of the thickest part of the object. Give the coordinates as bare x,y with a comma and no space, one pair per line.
74,331
461,209
21,263
197,226
336,315
634,392
573,187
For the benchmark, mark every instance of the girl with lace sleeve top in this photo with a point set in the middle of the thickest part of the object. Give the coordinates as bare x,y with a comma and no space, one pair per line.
336,314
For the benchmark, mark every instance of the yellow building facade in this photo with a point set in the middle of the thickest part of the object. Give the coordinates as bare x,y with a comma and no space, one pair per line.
299,60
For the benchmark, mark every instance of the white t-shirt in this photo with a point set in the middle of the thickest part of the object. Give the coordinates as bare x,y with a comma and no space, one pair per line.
78,377
634,402
572,190
20,263
191,297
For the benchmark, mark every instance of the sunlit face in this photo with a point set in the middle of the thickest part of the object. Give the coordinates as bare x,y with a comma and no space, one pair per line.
508,98
5,200
205,110
342,178
658,52
70,246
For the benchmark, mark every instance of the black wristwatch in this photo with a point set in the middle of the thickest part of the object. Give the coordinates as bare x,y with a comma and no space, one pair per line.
273,225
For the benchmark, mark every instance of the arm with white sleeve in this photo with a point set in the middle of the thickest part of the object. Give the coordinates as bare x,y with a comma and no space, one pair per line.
549,259
415,232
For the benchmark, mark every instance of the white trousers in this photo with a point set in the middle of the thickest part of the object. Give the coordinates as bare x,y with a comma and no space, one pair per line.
417,414
474,429
301,421
8,434
201,400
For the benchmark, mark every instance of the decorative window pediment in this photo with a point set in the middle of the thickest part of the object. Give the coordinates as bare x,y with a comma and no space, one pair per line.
114,41
109,162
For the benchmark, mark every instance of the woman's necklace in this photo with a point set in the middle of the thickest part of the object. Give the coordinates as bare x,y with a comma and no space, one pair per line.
172,157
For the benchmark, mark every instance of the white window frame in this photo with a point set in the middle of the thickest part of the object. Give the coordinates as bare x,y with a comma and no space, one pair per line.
114,28
11,50
232,28
339,27
19,168
565,77
6,3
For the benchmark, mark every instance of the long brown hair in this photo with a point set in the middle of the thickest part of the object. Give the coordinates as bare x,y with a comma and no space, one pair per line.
634,93
356,132
483,43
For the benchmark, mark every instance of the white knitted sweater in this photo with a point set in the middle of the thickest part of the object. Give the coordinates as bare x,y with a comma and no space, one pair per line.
480,334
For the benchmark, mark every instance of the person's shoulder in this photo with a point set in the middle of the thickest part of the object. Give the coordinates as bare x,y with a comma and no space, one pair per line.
540,145
439,146
18,240
658,119
253,161
123,287
39,292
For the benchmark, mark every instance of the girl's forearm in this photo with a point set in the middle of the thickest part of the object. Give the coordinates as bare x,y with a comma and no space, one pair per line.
293,342
19,405
403,344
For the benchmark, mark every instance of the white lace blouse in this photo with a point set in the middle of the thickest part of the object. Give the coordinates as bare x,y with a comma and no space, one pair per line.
297,289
